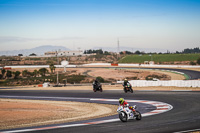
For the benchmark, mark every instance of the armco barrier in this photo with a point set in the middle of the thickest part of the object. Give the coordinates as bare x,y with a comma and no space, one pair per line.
159,66
176,83
109,64
37,66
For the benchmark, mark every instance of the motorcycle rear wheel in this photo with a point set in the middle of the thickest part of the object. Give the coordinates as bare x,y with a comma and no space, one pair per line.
139,116
125,90
131,90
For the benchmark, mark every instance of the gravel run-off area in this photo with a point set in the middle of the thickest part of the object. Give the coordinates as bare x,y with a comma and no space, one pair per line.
25,113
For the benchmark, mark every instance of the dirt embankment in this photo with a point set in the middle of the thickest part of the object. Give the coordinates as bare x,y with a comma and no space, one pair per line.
23,113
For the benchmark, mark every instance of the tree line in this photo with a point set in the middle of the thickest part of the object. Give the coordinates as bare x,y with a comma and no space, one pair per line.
98,51
190,51
185,51
25,73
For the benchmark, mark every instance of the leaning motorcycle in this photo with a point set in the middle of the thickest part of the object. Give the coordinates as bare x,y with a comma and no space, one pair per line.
97,87
128,88
126,114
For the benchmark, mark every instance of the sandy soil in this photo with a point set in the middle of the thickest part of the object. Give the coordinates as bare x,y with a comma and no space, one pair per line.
116,74
120,74
173,76
22,113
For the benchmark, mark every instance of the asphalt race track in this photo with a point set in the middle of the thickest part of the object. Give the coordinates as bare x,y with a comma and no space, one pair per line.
185,114
191,73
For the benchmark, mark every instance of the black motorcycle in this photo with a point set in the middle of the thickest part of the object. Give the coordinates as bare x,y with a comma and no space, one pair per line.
97,87
127,88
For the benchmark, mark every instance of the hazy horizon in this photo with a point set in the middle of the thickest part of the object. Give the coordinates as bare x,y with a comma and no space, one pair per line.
153,24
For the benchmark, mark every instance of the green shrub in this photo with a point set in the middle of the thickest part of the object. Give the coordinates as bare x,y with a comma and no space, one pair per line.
150,77
192,63
100,79
198,61
75,78
9,74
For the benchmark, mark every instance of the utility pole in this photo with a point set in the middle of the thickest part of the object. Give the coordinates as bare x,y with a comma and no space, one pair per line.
57,57
57,78
118,50
57,64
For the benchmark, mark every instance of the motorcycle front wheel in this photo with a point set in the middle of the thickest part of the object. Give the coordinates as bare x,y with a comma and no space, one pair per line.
123,117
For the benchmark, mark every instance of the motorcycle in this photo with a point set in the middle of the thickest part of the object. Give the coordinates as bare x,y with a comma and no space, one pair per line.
126,114
97,87
128,88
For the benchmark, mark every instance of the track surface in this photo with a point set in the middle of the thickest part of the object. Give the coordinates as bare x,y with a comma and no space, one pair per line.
185,114
191,74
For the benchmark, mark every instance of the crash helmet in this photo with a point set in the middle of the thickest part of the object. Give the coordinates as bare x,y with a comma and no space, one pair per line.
121,100
125,80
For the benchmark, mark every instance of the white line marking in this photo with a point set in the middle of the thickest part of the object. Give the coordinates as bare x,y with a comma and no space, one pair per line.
188,131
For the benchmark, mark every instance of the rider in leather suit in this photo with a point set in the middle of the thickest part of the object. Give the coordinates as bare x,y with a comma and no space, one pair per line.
123,103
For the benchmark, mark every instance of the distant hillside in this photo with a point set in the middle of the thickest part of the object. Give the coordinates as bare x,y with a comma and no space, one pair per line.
37,50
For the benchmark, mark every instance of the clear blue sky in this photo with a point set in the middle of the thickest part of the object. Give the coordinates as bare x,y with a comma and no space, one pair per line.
166,24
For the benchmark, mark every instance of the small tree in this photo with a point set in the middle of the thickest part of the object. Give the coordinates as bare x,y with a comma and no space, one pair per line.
17,73
25,73
3,71
35,72
100,79
192,63
137,52
52,68
43,71
198,61
9,74
33,54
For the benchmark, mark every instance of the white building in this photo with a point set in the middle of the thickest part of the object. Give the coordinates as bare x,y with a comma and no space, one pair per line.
64,53
70,53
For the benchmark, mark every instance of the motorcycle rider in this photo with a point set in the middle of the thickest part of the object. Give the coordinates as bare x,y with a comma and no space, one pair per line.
96,84
125,83
123,103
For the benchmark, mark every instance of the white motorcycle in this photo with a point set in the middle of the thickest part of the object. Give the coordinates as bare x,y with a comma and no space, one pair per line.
125,114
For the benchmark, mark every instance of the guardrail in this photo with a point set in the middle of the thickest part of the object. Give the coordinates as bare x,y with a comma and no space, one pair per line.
108,64
142,65
176,83
38,66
